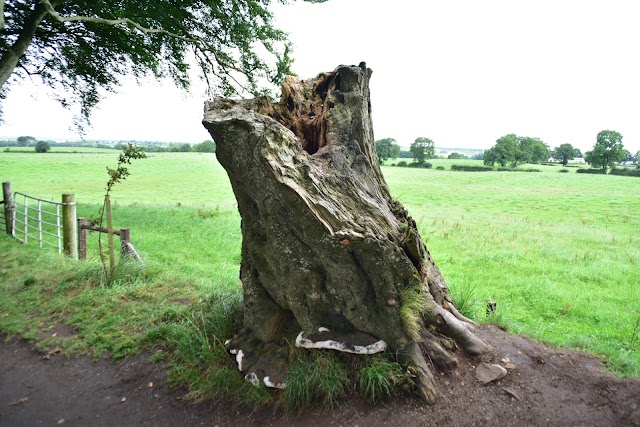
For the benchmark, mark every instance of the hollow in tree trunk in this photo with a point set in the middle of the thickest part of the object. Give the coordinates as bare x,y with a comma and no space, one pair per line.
326,251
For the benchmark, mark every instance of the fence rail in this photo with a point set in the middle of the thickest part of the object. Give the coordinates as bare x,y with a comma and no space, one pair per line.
126,248
54,224
43,221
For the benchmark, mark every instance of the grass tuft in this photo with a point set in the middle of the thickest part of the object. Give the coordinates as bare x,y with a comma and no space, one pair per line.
465,300
318,376
380,377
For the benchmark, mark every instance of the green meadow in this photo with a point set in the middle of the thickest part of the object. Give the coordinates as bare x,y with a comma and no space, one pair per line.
60,150
559,253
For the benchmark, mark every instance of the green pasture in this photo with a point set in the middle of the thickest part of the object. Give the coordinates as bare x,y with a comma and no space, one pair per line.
60,150
161,179
558,252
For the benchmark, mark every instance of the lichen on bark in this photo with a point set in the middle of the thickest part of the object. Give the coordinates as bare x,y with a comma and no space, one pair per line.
325,248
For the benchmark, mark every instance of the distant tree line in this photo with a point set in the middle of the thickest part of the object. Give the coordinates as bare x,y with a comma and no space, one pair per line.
208,146
421,150
204,147
515,150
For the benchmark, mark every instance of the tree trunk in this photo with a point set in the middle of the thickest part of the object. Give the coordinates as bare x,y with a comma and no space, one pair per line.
326,250
9,61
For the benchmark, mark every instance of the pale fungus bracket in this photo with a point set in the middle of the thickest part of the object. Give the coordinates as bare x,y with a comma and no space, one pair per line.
357,343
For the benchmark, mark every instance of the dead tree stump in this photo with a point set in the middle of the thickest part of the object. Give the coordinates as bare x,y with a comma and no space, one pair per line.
327,254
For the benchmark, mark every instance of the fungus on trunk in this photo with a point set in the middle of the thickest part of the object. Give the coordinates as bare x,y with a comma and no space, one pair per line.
326,250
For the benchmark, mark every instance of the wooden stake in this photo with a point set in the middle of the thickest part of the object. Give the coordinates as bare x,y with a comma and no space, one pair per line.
82,239
124,241
8,207
69,224
112,254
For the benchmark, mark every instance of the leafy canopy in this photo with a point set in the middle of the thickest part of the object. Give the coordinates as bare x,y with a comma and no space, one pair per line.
607,150
25,141
80,47
42,147
564,153
205,147
422,149
516,150
387,148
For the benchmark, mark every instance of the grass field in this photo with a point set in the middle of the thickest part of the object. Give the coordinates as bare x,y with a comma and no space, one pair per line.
558,252
61,150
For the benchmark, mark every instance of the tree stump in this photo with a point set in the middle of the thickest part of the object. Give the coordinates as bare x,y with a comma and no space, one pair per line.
327,253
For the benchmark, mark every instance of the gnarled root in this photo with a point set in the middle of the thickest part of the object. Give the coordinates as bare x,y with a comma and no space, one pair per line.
438,350
451,327
412,357
441,333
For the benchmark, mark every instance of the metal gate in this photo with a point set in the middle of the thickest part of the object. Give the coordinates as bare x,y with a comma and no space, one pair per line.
39,220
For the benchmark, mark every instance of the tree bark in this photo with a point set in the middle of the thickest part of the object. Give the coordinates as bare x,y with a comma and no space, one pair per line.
326,250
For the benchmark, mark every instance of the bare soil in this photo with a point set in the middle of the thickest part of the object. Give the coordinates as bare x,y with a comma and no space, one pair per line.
545,386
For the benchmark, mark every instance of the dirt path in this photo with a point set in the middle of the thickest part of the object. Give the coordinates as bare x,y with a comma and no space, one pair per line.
546,387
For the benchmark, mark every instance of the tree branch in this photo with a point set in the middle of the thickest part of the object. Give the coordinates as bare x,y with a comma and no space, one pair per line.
51,11
199,45
1,15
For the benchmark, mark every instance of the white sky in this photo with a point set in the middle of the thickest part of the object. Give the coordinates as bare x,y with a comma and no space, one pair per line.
461,72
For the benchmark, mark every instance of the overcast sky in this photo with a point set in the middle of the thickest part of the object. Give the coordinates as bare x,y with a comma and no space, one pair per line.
461,72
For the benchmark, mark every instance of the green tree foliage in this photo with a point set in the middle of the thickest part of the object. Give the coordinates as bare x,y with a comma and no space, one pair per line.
539,150
503,152
455,156
205,147
25,141
81,46
607,150
185,148
387,148
564,153
516,150
42,147
422,149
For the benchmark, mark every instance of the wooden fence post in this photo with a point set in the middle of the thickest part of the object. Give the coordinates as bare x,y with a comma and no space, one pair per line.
69,224
8,207
82,239
112,255
125,239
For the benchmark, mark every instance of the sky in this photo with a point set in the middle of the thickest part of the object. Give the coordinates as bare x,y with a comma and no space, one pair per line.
460,72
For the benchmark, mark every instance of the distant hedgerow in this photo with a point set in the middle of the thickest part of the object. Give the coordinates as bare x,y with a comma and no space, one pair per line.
420,165
625,172
592,171
470,168
517,170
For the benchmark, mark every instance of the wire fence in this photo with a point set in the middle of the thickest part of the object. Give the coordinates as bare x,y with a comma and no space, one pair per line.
39,220
54,224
